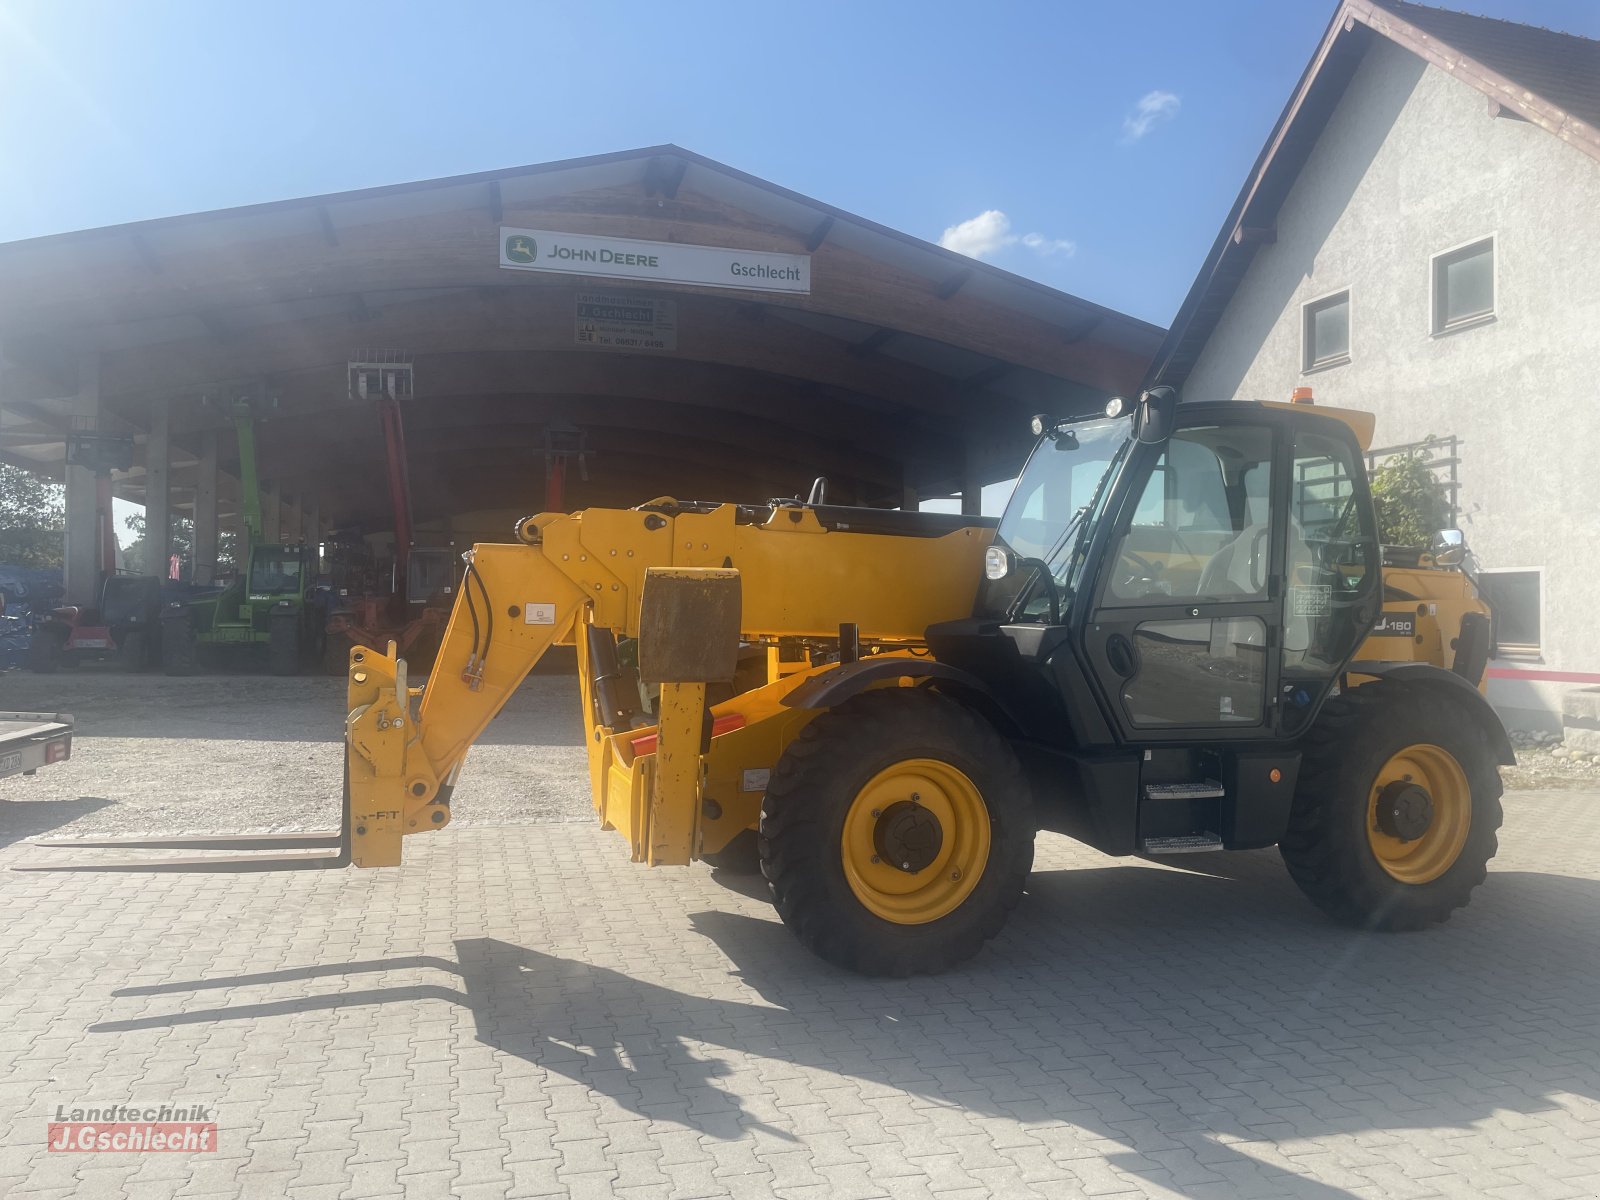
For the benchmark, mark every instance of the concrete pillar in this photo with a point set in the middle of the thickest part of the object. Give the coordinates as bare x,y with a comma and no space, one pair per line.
205,509
971,488
271,514
158,491
82,550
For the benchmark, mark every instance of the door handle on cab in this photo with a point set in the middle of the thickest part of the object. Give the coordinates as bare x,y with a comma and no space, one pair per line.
1119,653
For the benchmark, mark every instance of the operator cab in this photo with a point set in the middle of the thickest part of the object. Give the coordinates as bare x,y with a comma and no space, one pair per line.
1212,567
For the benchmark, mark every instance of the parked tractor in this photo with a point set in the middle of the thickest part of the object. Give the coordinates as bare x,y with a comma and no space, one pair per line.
1180,637
125,627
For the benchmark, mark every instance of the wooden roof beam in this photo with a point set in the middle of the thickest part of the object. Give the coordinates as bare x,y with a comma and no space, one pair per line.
819,234
979,380
953,285
330,235
872,343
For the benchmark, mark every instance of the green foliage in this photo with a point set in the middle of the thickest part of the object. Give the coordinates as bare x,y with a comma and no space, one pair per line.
33,519
1412,501
137,558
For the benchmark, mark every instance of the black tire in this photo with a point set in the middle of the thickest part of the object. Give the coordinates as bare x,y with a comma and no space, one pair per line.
742,856
179,652
45,649
131,652
335,655
1327,848
283,643
808,800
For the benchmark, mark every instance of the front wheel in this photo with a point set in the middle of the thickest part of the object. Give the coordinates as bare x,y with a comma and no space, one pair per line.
1398,808
45,649
283,643
897,833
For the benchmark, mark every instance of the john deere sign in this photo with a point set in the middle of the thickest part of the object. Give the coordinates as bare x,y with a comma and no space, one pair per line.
664,262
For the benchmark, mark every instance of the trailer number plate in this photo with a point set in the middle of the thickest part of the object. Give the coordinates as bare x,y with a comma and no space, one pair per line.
10,762
539,614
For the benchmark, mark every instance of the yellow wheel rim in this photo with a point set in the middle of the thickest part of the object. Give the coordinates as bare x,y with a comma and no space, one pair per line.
1419,813
915,841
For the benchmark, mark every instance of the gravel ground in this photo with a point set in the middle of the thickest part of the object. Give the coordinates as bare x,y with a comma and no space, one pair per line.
242,753
251,753
1544,763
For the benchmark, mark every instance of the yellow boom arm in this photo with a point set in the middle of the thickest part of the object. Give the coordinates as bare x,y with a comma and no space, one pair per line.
798,580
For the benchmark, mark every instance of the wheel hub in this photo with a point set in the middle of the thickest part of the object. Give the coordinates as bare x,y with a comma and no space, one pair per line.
1404,811
907,836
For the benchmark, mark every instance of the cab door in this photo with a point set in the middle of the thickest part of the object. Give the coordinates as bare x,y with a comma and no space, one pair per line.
1182,635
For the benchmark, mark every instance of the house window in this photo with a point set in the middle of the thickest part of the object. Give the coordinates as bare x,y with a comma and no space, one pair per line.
1326,335
1463,286
1516,600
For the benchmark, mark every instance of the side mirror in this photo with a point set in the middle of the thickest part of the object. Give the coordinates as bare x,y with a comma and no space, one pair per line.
1449,547
1156,415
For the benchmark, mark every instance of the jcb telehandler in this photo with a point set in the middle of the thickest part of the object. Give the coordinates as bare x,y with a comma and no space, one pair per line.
1180,637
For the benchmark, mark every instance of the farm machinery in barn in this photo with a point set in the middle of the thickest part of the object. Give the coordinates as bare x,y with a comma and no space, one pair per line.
266,606
1179,637
423,578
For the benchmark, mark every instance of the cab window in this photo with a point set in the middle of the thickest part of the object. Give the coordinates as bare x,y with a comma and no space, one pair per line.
1201,527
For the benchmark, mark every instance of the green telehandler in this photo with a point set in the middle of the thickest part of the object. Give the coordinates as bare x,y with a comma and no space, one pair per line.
266,606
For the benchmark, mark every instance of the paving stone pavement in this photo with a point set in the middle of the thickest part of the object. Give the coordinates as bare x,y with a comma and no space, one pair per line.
519,1012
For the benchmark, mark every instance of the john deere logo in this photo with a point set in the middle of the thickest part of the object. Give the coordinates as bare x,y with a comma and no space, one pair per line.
520,248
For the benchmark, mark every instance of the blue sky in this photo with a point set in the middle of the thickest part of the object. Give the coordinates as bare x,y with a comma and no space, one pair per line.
923,116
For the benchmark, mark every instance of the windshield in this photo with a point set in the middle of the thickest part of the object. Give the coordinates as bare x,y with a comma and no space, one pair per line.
272,572
1056,501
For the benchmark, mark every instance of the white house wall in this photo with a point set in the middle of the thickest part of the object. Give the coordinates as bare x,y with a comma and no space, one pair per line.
1411,164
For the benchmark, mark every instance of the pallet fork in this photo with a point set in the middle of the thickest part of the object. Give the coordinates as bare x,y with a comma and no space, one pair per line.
323,849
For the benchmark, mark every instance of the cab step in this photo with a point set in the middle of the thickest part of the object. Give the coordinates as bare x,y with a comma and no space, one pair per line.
1200,789
1188,843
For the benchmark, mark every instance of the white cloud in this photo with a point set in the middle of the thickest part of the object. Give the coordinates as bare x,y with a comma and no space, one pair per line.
990,232
1152,109
1040,244
980,235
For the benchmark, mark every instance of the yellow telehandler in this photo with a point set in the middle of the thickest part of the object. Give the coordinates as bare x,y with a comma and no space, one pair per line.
1181,636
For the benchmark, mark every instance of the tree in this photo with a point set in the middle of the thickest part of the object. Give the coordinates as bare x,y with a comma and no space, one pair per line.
136,556
1412,501
33,519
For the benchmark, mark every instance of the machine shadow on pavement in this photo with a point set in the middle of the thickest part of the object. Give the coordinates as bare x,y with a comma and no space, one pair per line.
21,819
1164,1010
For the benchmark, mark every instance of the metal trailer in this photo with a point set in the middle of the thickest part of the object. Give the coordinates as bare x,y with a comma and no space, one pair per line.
30,740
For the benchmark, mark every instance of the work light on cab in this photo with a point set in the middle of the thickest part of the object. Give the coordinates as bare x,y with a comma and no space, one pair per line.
996,563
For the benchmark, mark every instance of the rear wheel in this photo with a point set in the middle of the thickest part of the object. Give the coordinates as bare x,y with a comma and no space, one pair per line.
1396,815
897,833
179,653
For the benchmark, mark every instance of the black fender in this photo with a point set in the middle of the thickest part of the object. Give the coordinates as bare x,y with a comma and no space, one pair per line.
833,687
1421,674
